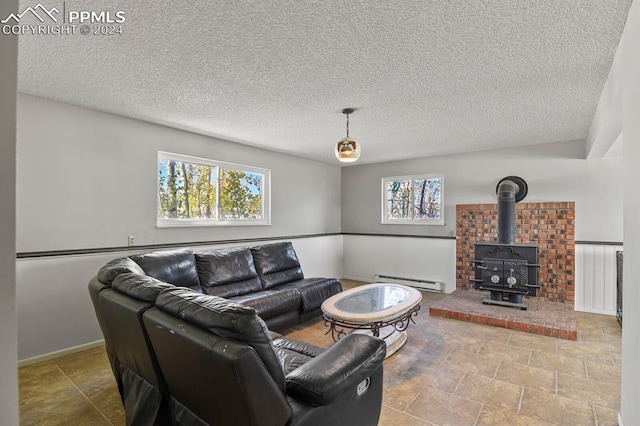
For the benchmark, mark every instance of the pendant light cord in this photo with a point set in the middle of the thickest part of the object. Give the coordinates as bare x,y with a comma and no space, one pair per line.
347,125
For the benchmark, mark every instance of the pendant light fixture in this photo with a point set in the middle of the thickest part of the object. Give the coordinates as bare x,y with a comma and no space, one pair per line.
347,150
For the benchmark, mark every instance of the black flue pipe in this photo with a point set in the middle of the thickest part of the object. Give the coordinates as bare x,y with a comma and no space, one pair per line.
507,191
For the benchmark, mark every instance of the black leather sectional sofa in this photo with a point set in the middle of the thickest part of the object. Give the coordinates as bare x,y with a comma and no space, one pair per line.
188,347
267,278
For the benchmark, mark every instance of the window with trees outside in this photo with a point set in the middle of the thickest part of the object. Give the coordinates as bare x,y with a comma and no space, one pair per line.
199,192
413,200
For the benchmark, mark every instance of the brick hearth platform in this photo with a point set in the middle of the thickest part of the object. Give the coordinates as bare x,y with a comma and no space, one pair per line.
543,317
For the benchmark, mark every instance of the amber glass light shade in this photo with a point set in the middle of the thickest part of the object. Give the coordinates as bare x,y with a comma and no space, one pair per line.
347,150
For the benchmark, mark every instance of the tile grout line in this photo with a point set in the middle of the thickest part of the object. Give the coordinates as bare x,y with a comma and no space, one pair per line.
83,394
407,414
414,399
481,346
459,382
520,400
595,415
556,377
479,413
495,373
586,368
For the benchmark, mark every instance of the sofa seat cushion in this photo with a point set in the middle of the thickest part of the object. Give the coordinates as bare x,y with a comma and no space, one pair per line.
177,267
294,353
228,273
276,264
269,303
226,319
291,360
313,291
298,346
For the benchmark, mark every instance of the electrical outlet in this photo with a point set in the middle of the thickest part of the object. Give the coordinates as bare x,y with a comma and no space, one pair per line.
131,240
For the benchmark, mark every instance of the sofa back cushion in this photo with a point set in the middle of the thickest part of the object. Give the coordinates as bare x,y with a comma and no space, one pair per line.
115,267
276,264
140,287
228,273
177,267
226,319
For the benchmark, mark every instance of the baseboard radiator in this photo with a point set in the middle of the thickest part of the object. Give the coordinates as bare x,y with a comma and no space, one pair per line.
437,286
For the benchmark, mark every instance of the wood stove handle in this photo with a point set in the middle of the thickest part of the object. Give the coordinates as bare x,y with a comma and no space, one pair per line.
487,268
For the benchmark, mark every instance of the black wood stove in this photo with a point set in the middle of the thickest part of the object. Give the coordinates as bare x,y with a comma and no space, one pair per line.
506,269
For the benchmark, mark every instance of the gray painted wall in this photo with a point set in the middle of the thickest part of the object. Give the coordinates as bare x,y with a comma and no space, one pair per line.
8,331
88,179
630,49
430,259
554,172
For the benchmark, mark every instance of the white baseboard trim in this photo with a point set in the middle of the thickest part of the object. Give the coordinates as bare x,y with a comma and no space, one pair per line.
60,353
595,311
362,279
620,420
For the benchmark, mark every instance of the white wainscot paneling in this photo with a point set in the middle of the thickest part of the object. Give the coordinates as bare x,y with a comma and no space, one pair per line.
596,278
55,313
431,259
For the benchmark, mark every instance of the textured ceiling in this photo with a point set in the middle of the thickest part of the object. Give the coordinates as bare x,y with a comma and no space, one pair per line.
426,77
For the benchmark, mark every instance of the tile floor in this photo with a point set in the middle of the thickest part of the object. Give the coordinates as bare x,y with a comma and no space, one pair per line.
450,372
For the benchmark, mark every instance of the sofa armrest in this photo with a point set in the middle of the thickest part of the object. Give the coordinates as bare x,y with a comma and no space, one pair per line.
337,370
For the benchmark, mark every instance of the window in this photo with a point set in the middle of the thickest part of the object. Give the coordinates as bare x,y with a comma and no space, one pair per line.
414,200
199,192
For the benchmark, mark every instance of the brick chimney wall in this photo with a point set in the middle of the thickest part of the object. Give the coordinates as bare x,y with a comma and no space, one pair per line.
550,225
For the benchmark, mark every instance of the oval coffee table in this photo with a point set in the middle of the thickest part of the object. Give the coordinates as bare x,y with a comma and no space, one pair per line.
380,309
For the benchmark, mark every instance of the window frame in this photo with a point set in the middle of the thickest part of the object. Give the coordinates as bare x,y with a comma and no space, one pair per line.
411,220
186,222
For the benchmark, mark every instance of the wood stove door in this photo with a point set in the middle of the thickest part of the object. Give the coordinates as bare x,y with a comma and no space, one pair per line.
515,273
492,272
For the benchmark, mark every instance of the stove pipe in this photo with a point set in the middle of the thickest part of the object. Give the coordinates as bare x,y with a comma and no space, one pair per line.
507,191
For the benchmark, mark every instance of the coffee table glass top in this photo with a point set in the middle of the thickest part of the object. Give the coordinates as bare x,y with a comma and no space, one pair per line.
374,299
371,303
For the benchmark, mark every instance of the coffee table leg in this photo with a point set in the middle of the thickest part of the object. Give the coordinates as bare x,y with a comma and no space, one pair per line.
375,329
394,331
336,333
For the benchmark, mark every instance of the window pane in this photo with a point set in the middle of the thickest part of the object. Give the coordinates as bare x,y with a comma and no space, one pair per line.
427,200
196,191
398,199
240,194
186,190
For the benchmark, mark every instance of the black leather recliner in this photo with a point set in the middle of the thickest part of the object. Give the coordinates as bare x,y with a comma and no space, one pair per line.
222,366
102,281
139,378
